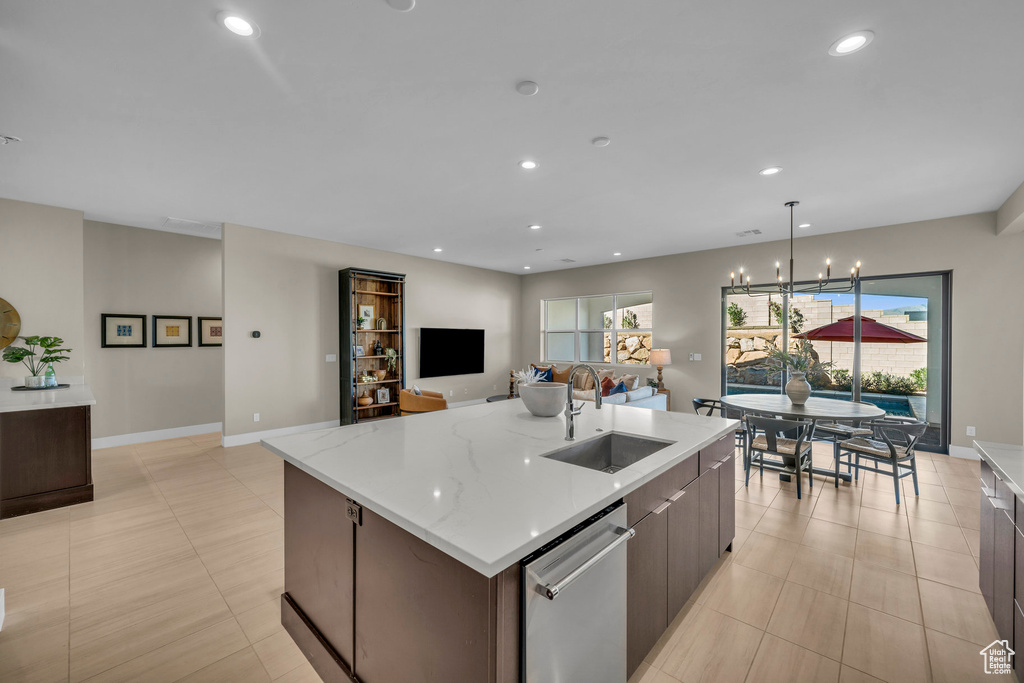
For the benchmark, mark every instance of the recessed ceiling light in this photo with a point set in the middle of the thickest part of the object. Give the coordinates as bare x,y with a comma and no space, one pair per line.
528,165
618,253
804,225
238,25
401,5
771,170
600,142
526,267
527,88
851,43
438,249
535,227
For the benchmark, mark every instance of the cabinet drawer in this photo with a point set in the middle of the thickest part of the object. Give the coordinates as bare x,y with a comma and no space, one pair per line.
1005,500
717,452
648,497
988,477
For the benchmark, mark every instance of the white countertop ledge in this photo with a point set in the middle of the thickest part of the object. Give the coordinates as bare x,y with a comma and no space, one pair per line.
1007,461
471,481
78,394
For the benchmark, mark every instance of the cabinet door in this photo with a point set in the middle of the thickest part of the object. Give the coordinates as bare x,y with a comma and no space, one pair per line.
683,537
1002,570
707,546
987,548
726,503
1018,630
1018,564
646,587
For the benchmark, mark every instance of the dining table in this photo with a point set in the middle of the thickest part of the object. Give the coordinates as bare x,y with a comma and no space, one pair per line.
815,409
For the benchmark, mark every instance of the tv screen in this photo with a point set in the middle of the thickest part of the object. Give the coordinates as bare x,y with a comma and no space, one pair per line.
445,351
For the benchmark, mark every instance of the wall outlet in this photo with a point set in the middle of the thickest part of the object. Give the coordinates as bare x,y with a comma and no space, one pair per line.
451,392
696,356
465,391
255,417
971,431
332,358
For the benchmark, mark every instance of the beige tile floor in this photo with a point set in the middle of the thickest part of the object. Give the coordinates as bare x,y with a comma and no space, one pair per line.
840,586
175,571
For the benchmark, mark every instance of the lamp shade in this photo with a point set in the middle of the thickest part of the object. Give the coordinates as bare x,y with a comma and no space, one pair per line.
660,357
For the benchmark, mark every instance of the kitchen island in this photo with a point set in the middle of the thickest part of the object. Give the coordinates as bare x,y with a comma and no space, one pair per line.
403,537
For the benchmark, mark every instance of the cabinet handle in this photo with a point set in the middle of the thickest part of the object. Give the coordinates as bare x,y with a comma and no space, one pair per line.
661,508
677,495
716,465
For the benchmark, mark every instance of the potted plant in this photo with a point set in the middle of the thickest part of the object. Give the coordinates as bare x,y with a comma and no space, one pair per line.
799,363
37,362
392,358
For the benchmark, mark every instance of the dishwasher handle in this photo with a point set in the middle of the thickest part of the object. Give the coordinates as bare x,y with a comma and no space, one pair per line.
551,591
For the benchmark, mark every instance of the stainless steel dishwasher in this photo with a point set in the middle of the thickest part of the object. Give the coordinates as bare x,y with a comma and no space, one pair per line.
573,625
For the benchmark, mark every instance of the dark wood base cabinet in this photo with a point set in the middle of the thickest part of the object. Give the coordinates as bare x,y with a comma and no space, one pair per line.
1001,557
45,459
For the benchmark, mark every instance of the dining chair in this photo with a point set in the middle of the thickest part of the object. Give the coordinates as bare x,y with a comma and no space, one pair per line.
765,439
841,430
710,405
894,445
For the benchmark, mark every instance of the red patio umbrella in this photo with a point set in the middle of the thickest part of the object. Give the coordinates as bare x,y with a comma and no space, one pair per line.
871,332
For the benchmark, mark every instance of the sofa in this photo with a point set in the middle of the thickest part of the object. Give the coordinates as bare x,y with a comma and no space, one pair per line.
583,388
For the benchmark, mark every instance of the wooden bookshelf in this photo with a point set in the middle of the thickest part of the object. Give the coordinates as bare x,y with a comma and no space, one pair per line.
385,292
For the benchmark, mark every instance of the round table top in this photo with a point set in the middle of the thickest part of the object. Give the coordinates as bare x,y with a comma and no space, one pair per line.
814,409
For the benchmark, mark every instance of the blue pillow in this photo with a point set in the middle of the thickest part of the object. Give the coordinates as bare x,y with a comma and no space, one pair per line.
619,388
545,375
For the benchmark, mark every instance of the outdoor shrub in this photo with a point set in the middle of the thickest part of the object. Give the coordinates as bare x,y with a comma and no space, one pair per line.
900,386
737,316
774,313
842,379
920,377
796,317
630,321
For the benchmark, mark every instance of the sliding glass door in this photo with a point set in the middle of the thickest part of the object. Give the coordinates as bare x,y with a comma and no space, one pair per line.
901,363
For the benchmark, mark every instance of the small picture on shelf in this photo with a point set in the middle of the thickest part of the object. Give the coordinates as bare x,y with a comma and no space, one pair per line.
366,316
359,351
383,395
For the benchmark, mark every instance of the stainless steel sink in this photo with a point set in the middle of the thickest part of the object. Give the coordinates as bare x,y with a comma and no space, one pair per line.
609,452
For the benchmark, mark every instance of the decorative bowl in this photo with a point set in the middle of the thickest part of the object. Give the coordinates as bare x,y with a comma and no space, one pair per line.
380,374
544,399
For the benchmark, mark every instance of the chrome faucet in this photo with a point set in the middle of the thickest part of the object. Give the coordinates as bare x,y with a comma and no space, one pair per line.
570,411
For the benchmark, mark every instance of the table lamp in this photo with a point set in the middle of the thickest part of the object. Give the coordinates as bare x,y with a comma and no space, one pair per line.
660,358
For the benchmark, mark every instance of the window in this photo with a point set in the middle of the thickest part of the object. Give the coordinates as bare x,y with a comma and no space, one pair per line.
611,328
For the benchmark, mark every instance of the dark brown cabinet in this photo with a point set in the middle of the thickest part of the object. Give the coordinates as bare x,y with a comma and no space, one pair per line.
646,587
726,503
709,485
986,546
683,535
1001,558
1002,575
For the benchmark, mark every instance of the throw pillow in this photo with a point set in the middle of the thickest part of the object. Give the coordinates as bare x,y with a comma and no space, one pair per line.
631,381
545,374
619,388
416,390
556,374
606,386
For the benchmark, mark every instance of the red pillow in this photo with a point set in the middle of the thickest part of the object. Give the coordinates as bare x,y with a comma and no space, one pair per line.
607,384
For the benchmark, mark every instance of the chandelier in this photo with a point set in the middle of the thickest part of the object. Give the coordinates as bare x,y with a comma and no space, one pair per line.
789,288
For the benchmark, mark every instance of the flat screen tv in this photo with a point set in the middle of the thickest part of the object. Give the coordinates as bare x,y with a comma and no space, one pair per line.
446,351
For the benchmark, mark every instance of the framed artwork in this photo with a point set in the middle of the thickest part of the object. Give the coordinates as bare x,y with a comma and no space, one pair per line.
211,331
366,313
122,330
383,395
172,330
359,351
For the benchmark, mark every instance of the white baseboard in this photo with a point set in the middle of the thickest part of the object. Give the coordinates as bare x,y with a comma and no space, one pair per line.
964,452
156,435
255,437
1,609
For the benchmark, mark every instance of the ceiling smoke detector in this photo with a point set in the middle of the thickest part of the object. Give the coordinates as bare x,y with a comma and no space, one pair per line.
8,139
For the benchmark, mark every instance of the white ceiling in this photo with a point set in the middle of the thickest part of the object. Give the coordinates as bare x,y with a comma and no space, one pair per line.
349,121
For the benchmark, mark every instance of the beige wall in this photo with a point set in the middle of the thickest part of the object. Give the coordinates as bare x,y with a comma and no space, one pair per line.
41,276
130,270
987,325
287,288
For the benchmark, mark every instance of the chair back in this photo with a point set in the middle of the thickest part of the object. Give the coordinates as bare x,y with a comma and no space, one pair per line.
772,427
899,432
708,405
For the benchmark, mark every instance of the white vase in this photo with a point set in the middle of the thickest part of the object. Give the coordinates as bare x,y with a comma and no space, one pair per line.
35,381
797,388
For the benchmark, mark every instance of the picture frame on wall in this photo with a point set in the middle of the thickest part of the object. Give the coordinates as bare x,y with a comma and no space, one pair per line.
211,331
366,313
383,395
122,331
359,351
172,331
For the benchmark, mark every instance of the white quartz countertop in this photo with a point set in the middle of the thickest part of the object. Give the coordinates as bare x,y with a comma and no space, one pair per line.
471,481
78,394
1006,461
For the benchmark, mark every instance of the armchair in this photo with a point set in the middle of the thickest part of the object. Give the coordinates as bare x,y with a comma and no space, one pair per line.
428,401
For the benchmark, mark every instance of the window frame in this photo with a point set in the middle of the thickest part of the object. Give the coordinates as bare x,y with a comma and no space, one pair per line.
578,331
